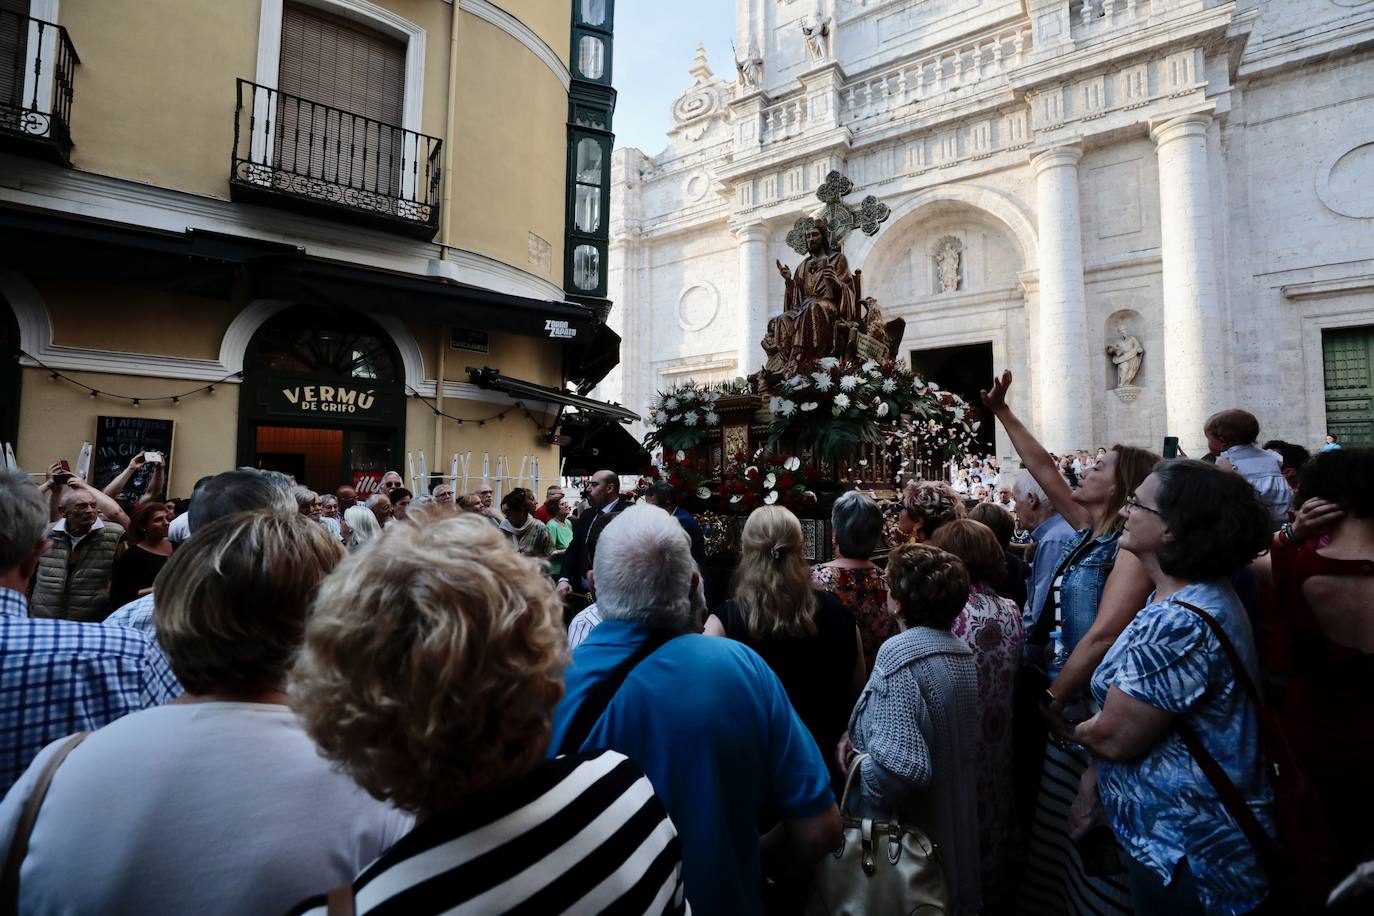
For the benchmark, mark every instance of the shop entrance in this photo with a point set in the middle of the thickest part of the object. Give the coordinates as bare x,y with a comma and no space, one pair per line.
322,399
964,370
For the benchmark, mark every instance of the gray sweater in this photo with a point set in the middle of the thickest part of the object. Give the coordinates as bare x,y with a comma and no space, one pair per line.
918,721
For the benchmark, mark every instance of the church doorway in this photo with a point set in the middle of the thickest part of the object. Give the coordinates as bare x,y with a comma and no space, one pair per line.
964,370
1348,368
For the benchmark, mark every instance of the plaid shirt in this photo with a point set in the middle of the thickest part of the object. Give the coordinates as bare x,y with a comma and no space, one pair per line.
58,677
137,614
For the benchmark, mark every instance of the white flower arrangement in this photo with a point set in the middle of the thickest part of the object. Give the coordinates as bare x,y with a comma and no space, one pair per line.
841,401
810,405
787,408
712,418
770,481
849,382
772,496
689,419
670,403
828,362
823,382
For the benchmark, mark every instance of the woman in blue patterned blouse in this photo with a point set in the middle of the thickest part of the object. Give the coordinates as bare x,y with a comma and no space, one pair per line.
1190,525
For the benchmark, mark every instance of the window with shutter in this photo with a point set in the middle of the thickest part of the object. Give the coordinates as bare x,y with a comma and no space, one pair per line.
14,34
342,88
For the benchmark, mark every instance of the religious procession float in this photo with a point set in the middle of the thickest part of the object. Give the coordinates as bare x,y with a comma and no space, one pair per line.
833,408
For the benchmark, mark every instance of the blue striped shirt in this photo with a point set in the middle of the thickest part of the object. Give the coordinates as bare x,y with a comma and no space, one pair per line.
58,677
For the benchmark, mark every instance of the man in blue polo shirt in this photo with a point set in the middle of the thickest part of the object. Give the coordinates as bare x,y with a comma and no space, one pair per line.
705,718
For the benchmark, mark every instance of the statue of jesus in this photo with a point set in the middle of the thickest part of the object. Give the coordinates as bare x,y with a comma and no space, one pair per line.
821,292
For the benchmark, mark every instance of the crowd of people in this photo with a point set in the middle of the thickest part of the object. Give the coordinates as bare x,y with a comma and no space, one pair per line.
324,703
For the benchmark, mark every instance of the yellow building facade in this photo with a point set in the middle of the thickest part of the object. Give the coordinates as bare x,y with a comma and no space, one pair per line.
291,227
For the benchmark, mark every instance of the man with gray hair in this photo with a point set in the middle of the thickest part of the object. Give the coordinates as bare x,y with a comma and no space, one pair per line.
244,490
59,676
720,754
1049,534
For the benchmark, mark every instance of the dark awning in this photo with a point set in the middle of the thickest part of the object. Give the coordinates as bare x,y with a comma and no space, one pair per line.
216,264
596,444
494,380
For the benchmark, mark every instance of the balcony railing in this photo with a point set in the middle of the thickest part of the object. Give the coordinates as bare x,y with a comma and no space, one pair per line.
294,153
37,65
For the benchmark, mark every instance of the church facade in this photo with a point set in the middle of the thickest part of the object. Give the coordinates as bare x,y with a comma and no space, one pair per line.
1148,210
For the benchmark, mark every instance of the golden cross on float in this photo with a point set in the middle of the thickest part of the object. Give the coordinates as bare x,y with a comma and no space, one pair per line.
824,310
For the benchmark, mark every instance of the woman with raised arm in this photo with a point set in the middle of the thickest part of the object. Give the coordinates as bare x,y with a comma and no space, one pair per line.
1096,591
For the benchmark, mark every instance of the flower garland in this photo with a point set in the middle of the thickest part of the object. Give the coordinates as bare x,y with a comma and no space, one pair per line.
682,472
831,406
680,416
767,481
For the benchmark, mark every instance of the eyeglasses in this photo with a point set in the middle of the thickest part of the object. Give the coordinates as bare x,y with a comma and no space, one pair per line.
1133,504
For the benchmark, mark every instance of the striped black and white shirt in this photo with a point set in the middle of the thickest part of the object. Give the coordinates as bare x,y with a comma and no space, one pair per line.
579,834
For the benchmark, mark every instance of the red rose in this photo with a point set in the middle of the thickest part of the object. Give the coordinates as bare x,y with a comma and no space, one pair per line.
675,480
811,474
686,462
752,473
775,459
787,482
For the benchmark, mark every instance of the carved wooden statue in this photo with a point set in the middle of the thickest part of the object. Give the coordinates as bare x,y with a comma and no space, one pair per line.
824,310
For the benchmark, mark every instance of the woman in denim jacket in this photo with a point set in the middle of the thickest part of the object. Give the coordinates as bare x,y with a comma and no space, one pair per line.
1096,593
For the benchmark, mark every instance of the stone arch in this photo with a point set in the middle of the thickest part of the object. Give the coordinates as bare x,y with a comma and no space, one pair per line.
1005,208
234,345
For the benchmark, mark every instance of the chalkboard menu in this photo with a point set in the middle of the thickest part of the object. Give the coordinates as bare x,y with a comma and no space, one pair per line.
117,439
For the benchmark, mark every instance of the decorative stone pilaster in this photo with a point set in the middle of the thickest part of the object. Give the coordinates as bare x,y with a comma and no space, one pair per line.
1063,373
1193,374
752,294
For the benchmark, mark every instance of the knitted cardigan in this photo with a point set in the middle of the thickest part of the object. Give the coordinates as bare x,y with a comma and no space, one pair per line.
918,720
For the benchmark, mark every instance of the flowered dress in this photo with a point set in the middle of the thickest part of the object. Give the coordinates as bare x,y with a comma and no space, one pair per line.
991,626
865,591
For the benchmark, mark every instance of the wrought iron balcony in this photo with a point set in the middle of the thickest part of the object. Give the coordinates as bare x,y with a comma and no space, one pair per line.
37,65
294,153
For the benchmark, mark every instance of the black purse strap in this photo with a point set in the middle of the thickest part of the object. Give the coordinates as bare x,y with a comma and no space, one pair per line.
1272,859
600,694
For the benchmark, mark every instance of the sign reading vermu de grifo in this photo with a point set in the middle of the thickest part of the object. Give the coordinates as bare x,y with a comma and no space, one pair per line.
329,398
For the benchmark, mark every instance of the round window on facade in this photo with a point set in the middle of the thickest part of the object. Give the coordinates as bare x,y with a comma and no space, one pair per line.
591,57
586,267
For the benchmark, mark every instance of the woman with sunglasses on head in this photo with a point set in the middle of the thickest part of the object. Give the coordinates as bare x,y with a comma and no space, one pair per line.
1094,594
1191,525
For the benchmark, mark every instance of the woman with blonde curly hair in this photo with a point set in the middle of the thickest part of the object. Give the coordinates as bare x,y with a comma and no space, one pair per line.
925,506
807,636
918,719
431,668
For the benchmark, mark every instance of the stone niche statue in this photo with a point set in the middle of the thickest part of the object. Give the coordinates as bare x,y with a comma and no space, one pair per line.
948,254
750,69
815,31
1126,353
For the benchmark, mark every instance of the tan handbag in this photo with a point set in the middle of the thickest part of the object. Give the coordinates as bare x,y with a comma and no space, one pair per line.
881,867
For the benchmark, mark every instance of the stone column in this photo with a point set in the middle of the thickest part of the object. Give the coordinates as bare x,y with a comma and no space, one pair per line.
1192,316
1063,371
752,295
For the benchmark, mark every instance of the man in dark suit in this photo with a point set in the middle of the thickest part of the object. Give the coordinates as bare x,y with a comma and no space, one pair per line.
603,504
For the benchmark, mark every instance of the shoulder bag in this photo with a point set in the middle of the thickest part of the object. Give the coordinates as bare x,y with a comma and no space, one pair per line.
23,830
881,867
1296,864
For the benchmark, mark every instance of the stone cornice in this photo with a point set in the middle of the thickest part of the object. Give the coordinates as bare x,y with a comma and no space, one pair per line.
1320,288
1321,42
1194,28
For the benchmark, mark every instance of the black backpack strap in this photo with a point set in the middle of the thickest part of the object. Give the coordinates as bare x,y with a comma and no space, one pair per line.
600,694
